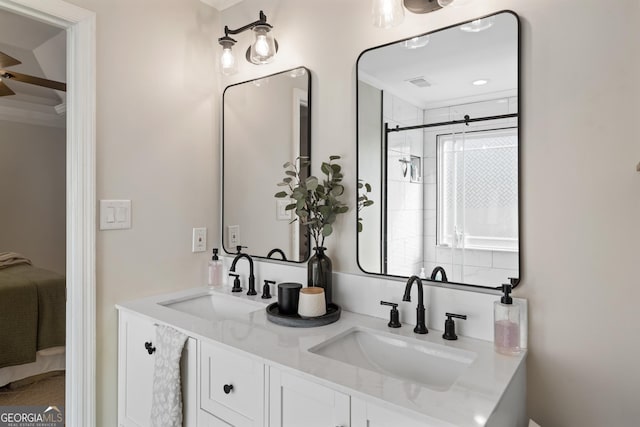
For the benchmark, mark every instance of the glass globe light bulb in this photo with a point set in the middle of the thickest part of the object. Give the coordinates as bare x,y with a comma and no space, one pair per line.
387,13
227,62
263,50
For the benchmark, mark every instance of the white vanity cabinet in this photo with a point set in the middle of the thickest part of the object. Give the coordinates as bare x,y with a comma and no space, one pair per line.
367,414
135,372
296,402
231,388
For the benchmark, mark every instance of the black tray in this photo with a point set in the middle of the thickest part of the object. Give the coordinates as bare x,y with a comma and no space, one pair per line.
295,321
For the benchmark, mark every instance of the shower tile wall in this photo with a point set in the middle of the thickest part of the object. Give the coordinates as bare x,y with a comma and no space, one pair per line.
404,198
484,267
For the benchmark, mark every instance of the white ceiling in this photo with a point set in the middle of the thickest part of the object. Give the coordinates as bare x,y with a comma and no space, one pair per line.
42,50
450,62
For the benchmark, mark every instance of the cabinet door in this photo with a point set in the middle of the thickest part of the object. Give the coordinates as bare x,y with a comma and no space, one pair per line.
366,414
135,370
296,402
135,373
231,387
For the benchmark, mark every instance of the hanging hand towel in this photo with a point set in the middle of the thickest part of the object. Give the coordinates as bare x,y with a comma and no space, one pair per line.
166,404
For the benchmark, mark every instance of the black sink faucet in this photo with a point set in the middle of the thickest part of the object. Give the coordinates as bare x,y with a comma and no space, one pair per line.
443,274
420,328
252,278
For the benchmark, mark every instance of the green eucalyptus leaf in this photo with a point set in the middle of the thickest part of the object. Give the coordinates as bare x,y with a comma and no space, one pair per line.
287,179
337,190
327,230
312,183
281,194
290,173
324,210
282,184
286,165
368,187
290,206
368,203
325,168
334,157
359,227
336,168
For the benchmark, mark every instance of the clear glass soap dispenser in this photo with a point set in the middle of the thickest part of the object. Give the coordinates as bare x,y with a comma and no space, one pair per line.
215,270
506,331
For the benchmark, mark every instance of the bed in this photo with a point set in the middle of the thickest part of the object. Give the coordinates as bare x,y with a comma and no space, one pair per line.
32,319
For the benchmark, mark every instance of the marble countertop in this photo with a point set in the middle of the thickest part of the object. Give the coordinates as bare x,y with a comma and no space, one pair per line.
468,402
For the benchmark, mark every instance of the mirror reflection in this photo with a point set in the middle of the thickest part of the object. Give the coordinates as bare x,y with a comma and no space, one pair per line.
438,142
266,122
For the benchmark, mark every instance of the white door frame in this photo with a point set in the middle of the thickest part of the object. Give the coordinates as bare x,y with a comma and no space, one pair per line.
81,141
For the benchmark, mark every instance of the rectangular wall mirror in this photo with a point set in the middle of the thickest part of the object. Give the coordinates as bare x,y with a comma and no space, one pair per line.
438,145
266,122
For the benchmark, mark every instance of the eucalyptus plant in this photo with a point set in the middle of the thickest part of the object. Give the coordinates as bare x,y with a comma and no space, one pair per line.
363,200
316,202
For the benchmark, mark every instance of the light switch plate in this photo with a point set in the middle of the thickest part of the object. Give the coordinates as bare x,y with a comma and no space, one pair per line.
199,240
281,213
115,214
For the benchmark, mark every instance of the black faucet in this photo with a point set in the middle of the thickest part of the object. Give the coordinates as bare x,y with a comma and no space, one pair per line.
277,251
443,274
252,278
420,328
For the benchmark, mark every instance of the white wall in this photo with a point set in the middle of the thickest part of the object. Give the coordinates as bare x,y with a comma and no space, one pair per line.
580,62
157,133
33,201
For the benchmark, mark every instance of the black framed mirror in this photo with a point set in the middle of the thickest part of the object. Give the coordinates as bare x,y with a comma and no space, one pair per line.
266,122
438,143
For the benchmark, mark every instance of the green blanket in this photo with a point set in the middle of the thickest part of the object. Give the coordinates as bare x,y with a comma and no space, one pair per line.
32,313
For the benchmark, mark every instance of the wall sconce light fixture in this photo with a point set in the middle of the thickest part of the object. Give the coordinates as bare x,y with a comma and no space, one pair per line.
261,51
389,13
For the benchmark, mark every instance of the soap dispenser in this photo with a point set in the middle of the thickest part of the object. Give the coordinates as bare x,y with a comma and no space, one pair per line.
215,270
506,330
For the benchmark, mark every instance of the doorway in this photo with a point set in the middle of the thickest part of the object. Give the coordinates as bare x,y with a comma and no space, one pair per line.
79,25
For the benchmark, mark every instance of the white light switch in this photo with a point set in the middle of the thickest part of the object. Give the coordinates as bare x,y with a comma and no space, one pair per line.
115,214
199,240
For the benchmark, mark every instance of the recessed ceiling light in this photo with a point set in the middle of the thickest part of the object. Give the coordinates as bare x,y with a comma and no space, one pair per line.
416,42
480,82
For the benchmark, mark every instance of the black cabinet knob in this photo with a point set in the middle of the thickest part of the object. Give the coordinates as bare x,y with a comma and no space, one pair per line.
227,388
150,348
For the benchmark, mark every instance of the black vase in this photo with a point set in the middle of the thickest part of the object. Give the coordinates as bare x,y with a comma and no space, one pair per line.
319,272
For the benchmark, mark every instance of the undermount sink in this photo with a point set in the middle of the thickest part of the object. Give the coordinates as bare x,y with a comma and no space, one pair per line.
213,306
430,365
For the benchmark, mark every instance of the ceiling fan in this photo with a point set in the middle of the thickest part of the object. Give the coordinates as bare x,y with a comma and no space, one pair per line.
7,61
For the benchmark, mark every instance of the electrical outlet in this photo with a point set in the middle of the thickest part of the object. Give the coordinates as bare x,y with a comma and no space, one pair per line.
234,236
199,241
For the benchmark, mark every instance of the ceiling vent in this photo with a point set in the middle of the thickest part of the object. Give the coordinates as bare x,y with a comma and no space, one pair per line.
419,81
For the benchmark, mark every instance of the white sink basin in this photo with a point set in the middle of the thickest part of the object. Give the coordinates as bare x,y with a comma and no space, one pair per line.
430,365
213,306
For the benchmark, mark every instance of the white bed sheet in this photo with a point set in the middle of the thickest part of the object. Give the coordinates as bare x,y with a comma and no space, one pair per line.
47,360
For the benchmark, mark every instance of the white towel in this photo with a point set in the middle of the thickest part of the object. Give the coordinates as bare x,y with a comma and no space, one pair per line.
166,404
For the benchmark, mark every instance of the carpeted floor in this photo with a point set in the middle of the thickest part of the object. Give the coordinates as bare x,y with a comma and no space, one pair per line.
46,389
